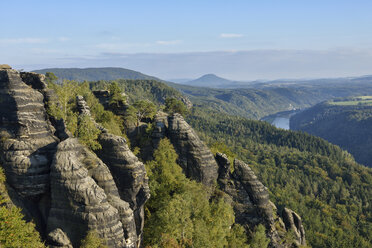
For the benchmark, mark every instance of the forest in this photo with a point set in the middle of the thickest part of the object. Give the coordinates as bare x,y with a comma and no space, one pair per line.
320,181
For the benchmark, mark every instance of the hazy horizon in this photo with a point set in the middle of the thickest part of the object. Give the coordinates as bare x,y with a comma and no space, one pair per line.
239,40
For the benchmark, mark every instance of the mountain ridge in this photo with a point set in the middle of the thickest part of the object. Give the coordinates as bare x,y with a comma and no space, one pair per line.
96,73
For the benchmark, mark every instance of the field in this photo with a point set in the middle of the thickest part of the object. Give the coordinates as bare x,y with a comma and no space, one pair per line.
359,100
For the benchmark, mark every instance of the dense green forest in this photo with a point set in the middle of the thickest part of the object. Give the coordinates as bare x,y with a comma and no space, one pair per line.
93,74
321,182
345,121
260,100
151,90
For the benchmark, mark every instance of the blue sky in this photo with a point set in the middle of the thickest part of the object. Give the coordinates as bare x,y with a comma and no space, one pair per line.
243,40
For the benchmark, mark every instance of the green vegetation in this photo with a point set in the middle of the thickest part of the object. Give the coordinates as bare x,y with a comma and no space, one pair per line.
256,101
180,213
66,108
116,96
14,230
318,180
144,109
92,241
93,74
150,90
88,133
173,105
352,101
345,122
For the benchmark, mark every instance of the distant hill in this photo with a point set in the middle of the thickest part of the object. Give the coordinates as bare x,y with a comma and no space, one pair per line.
94,74
344,122
209,80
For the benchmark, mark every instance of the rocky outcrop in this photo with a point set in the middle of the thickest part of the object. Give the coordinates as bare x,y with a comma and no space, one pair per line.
58,239
65,188
293,223
103,97
5,66
252,206
84,197
195,158
129,174
27,137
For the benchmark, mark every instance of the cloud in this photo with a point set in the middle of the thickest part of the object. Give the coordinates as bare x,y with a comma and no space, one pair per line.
168,42
230,35
63,39
12,41
121,46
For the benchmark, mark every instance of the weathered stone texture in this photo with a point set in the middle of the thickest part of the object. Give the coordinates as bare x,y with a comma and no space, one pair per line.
252,206
84,197
293,223
27,137
58,239
195,158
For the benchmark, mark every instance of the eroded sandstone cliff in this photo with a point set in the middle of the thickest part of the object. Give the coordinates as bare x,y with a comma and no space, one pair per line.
64,187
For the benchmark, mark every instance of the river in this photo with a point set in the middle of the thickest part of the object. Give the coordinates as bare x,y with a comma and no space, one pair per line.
281,119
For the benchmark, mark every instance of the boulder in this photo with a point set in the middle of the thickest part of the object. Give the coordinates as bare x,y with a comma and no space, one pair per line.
58,239
5,67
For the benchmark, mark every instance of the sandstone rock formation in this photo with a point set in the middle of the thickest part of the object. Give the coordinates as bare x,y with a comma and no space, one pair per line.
27,138
129,173
293,223
84,197
252,205
65,188
195,158
58,239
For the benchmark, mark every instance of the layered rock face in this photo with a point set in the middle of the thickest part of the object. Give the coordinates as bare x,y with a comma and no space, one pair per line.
84,197
129,173
27,137
195,157
59,183
252,205
293,222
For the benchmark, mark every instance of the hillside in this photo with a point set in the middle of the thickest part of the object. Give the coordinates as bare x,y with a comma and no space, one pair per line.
209,80
318,180
252,100
93,74
345,122
261,100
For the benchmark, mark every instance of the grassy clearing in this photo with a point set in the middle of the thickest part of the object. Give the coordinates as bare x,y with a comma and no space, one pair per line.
359,100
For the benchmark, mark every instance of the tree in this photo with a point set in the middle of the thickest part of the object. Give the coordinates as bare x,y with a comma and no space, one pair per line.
259,239
50,77
144,109
116,96
180,212
14,231
173,105
88,132
92,241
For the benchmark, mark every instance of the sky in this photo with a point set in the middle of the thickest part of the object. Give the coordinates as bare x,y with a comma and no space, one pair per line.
239,40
